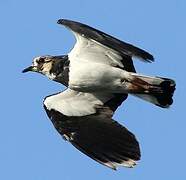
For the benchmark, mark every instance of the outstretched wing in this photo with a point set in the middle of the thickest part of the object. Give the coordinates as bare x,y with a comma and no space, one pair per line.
94,45
74,103
85,120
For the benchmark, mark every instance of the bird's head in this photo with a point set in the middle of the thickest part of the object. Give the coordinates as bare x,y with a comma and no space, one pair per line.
47,65
40,64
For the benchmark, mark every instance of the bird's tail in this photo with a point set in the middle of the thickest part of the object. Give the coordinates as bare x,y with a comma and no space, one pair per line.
156,90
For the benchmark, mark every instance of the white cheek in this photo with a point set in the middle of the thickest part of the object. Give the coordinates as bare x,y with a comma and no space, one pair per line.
50,76
35,63
46,71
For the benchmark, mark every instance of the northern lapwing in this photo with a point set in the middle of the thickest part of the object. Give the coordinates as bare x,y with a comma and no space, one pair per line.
99,74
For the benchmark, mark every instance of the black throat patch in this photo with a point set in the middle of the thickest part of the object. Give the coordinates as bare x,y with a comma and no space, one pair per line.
60,69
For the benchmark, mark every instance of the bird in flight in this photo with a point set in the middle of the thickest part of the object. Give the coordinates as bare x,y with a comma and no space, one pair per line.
99,74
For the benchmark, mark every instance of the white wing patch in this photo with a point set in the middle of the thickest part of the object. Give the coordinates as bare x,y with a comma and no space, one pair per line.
130,163
93,51
74,103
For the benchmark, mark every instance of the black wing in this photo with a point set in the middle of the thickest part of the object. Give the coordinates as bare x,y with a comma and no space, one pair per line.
99,137
106,40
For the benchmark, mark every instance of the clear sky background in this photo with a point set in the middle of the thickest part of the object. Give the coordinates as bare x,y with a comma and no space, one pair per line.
31,149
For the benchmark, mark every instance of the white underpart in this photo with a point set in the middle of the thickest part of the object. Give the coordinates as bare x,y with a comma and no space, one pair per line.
73,103
93,67
93,52
90,77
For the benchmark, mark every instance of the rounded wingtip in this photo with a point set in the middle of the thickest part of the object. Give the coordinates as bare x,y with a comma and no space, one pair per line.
151,58
67,22
63,21
60,21
147,57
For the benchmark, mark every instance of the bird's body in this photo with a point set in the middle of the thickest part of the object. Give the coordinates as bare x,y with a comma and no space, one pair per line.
91,77
99,74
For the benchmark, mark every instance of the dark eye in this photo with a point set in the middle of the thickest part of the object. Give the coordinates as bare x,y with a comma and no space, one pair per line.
41,60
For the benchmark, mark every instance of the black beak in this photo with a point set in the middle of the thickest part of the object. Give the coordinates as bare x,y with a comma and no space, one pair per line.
30,68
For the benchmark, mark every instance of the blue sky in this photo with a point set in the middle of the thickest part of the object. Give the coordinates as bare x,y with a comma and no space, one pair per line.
30,147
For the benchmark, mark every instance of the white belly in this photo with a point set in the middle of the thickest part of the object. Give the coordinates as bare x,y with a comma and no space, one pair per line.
90,77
